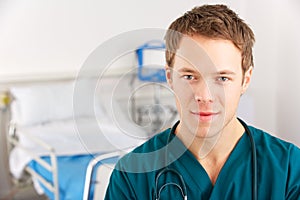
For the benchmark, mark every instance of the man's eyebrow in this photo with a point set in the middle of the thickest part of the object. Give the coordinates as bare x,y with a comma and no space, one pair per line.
185,69
225,72
222,72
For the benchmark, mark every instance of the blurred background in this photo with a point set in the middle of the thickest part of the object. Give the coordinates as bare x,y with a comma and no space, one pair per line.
53,38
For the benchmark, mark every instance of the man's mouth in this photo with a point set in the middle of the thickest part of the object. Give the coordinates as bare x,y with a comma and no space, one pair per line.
205,116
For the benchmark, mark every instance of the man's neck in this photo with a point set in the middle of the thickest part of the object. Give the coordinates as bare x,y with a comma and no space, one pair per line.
213,152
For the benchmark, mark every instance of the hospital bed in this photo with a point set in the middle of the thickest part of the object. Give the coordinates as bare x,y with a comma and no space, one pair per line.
67,150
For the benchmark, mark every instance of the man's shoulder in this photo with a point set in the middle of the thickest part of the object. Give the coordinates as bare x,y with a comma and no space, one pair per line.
272,143
147,156
155,143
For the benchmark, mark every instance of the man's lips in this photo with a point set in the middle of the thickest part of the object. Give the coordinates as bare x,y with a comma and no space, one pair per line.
205,113
205,116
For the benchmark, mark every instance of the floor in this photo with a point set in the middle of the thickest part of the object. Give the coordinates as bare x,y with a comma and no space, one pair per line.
28,193
25,193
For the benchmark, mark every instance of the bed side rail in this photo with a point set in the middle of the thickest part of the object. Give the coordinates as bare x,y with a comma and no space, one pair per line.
92,165
52,167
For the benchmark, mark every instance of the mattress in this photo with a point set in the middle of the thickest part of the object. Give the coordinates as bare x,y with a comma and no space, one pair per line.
71,175
75,137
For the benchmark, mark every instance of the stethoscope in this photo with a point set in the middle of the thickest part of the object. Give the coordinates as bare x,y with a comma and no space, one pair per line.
182,186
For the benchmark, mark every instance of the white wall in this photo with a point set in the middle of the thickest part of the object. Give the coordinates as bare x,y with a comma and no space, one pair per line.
288,93
277,64
44,37
59,35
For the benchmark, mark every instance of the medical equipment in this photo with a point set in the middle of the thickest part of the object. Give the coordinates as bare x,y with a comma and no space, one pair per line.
151,74
153,71
183,189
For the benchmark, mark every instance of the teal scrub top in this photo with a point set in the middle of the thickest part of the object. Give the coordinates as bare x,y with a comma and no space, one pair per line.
278,171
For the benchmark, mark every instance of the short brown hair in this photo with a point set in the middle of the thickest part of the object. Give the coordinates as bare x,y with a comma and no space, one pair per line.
212,21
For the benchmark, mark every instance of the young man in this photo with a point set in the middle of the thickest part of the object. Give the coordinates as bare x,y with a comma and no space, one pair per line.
209,153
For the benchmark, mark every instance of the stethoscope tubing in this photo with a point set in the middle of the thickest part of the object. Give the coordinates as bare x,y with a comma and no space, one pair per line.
254,160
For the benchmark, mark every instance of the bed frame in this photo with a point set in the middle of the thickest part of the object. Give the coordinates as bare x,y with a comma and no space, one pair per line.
106,169
52,167
53,187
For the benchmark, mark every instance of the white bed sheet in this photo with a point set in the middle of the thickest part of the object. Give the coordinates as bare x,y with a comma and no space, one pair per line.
70,137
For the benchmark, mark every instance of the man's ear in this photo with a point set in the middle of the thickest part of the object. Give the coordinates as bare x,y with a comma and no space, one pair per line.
169,76
247,79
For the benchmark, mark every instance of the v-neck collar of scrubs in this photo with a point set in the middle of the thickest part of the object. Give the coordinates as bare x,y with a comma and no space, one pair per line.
200,177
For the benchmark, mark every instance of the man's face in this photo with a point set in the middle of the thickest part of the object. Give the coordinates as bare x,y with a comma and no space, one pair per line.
207,80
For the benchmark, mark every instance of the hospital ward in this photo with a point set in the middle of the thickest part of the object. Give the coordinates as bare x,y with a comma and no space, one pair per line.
119,100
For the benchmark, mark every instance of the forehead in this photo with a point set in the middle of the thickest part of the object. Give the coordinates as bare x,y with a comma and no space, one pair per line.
207,55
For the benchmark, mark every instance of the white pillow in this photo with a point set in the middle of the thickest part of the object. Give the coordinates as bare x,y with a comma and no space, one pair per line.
36,104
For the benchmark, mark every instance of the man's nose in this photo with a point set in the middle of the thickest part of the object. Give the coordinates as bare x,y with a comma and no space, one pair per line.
203,93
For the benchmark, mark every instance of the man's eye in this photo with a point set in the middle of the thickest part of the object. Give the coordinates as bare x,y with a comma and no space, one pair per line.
223,79
189,77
